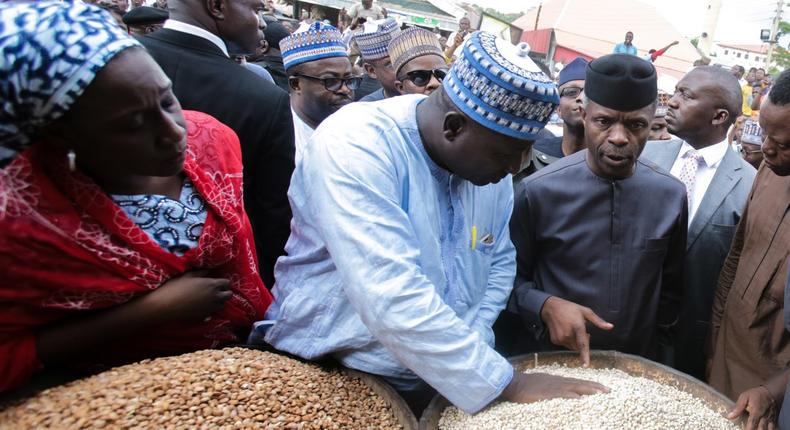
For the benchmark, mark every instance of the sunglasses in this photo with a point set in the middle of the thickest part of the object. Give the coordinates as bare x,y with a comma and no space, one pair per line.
571,92
335,84
422,78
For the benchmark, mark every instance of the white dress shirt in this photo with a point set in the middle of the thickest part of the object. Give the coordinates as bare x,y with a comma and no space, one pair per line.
197,31
712,156
302,134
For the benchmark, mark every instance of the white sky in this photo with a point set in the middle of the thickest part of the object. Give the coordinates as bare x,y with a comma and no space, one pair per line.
740,21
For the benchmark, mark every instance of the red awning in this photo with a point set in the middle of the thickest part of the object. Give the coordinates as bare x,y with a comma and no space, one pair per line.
538,40
566,55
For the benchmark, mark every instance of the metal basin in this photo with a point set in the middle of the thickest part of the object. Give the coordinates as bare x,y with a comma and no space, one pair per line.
400,409
631,364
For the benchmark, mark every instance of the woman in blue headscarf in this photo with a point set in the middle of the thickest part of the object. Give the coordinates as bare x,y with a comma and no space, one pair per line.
122,228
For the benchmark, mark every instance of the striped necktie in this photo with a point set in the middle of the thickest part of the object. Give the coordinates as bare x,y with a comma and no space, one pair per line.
688,173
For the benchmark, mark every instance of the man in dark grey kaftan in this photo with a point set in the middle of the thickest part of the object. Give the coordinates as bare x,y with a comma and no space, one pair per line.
600,235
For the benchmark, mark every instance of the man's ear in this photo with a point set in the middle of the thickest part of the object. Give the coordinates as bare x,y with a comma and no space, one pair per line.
722,116
454,125
264,46
216,8
370,70
399,87
293,84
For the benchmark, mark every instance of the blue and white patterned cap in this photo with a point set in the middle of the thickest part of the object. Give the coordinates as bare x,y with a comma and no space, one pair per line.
51,52
317,42
412,43
752,133
376,37
496,84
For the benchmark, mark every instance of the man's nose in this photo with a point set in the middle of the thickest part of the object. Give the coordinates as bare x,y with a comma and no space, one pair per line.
618,135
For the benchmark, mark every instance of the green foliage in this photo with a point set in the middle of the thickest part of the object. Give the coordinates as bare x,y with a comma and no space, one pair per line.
784,28
506,17
781,56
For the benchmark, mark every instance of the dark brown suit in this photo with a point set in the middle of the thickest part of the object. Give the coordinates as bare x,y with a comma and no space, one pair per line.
749,341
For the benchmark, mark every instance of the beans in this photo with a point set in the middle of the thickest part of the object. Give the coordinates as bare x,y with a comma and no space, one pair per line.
232,388
632,403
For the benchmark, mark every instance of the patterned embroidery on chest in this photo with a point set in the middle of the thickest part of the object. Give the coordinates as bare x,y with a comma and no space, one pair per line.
176,225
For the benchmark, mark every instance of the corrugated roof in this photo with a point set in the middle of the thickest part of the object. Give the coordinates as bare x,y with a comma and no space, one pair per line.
538,40
595,27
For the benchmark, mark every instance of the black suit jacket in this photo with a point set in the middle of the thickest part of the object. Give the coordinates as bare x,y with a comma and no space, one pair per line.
274,65
205,80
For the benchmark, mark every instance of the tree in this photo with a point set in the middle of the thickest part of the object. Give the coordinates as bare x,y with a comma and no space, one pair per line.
781,55
506,17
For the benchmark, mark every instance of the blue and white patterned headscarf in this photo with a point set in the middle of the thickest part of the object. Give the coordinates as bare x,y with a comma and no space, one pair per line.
50,52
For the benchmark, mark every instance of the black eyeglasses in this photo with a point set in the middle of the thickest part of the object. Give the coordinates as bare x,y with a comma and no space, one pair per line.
335,84
422,78
571,92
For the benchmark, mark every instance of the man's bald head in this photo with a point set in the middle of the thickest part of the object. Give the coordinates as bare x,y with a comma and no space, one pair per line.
234,21
182,6
726,88
707,101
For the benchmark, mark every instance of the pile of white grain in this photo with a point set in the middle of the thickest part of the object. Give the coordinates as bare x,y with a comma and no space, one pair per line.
632,403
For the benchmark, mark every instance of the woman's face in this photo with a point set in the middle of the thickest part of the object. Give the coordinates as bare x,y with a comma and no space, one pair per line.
128,122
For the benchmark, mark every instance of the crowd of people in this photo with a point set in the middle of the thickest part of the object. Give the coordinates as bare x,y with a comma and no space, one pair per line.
209,179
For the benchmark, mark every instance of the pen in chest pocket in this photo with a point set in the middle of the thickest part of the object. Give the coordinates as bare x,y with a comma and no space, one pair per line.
487,239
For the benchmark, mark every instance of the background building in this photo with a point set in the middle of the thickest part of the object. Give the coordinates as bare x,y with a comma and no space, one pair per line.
425,13
562,30
746,55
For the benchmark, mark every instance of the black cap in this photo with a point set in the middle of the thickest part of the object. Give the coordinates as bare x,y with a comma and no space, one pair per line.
145,15
274,32
621,82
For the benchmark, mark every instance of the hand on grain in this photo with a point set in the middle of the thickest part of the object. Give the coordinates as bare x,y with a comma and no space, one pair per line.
528,388
760,406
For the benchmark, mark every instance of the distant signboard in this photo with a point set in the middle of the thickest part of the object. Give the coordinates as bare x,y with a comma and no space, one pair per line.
424,20
765,35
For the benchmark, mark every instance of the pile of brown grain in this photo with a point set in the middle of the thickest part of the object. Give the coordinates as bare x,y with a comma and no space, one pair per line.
233,388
